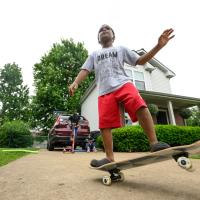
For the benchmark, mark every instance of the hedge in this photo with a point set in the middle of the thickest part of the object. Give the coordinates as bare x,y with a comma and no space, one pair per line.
133,138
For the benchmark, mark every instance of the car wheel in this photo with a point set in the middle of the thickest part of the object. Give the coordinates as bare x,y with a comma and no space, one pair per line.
50,147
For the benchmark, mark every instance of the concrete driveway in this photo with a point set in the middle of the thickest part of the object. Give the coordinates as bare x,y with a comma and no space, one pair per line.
58,176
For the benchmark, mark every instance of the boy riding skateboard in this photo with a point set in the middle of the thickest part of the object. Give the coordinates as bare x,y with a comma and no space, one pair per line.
115,87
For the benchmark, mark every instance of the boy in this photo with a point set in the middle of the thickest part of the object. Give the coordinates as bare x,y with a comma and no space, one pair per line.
116,87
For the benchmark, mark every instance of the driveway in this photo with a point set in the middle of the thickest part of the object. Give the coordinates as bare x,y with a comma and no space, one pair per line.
58,176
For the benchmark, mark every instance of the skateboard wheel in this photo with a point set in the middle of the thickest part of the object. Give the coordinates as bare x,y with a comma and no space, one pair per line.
184,162
121,176
106,180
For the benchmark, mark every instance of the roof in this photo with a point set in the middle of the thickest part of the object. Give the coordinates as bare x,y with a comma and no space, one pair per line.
178,101
155,63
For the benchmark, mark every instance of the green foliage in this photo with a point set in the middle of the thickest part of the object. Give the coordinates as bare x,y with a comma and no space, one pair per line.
15,134
7,157
194,120
185,113
52,76
132,138
14,96
153,109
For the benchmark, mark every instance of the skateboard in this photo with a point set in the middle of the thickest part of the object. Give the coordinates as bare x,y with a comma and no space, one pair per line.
179,153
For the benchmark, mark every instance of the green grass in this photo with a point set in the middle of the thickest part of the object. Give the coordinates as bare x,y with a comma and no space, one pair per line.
6,156
196,156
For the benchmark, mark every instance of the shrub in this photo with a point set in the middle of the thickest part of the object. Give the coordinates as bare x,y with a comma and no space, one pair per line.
15,134
153,109
132,138
185,113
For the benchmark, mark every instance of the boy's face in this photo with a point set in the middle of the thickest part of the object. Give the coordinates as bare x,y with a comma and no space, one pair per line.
105,34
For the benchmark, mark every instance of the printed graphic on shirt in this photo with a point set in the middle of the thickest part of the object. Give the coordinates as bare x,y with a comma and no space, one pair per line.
108,64
106,55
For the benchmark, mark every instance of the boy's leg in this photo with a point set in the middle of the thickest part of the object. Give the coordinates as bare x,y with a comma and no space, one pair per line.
137,110
109,117
108,143
146,121
108,146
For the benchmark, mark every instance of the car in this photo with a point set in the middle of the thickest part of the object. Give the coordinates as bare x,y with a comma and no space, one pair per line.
61,132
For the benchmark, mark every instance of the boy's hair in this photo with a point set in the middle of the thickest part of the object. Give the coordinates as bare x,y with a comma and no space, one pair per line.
111,30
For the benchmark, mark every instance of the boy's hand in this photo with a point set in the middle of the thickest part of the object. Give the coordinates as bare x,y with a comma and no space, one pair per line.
72,88
165,37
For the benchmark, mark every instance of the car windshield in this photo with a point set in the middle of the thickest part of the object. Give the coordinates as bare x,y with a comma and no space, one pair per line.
65,118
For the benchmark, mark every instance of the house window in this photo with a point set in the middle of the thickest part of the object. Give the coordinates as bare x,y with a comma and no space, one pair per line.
129,72
137,78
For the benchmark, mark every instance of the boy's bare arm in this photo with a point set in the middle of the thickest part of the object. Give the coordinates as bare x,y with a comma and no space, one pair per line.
80,77
162,41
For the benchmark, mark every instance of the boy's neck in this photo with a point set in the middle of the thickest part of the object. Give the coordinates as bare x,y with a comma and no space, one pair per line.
107,45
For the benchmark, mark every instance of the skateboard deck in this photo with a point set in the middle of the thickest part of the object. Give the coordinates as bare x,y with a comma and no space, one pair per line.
179,153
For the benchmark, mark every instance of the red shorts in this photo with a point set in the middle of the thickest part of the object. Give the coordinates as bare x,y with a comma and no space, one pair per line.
108,105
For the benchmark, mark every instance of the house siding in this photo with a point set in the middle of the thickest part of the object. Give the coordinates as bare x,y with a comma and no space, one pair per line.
155,80
89,109
159,81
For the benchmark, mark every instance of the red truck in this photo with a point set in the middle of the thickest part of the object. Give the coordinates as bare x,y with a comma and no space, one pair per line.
61,132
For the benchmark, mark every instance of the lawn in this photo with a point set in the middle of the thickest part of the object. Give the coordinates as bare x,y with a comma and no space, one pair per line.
10,154
196,156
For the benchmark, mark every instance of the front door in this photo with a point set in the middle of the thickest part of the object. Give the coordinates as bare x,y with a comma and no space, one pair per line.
162,117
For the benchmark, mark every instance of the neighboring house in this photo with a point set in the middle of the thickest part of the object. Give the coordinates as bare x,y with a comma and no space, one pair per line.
153,82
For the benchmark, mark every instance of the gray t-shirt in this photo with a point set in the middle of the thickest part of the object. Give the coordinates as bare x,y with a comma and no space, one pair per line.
108,64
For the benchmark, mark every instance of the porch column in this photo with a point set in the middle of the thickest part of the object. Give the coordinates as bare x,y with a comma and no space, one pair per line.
171,113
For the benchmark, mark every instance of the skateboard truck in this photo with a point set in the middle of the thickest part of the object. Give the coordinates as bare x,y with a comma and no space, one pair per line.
181,154
115,175
183,160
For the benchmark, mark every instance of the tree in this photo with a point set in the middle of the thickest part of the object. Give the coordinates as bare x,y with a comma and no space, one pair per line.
194,120
13,94
52,76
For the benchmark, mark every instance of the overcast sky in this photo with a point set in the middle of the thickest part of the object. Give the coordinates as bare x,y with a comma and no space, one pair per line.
30,27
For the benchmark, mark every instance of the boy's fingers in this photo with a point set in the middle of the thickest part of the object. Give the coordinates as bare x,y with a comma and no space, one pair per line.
171,37
170,31
70,91
165,31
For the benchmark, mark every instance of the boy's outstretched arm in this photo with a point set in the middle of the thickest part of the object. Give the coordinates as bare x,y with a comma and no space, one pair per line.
162,41
80,77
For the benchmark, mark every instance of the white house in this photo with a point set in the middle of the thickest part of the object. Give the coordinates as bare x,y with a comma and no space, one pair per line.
153,82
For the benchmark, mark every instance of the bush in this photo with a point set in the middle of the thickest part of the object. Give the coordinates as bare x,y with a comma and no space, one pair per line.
153,109
185,113
133,139
15,134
